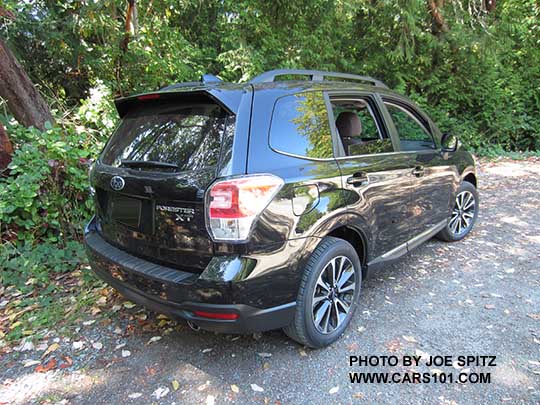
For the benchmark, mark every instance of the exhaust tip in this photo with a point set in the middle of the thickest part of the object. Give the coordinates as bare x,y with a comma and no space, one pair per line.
194,326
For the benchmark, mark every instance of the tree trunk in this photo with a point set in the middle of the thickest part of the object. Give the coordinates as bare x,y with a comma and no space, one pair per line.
131,29
6,149
134,28
439,23
23,99
489,5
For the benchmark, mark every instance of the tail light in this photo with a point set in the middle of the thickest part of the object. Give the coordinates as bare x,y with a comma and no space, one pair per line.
233,205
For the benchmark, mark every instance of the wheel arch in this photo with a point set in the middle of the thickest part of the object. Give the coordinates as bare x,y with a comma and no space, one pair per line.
347,225
470,178
356,238
469,175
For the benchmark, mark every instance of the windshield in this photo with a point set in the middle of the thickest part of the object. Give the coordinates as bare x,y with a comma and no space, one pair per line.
179,137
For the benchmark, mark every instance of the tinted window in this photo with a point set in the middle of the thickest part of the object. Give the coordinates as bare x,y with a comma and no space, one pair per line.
300,126
413,134
357,127
189,137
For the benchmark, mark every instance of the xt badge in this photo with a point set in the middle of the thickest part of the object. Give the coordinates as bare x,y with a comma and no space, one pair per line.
182,214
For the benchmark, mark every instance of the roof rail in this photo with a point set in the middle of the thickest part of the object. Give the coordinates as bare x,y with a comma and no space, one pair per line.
315,75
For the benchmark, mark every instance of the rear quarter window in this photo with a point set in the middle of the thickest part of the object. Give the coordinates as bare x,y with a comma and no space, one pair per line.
300,126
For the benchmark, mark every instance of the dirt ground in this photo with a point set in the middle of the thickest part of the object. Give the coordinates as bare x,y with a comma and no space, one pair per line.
480,296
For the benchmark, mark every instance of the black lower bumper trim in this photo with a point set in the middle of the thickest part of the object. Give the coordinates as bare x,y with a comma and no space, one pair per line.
249,320
123,259
105,258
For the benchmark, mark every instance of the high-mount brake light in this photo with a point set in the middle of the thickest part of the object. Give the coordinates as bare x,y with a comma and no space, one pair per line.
233,205
148,97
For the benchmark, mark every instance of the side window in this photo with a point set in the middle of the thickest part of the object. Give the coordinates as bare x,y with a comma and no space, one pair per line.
300,126
357,127
413,134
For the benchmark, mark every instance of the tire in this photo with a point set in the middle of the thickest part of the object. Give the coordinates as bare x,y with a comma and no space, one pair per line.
330,302
455,229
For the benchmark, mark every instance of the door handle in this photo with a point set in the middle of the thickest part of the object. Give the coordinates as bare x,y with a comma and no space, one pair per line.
418,171
358,179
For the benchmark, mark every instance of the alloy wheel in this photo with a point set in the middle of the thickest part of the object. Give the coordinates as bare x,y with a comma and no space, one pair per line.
334,294
462,217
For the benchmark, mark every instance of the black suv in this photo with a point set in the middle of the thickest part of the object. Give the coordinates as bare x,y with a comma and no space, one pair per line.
263,205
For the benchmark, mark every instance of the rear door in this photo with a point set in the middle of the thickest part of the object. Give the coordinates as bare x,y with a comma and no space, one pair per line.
433,178
376,178
151,179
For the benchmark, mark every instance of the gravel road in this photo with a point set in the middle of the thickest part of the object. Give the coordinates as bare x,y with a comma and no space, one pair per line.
480,296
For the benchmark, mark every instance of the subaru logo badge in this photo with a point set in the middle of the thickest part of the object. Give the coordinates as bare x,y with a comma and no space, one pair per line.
117,183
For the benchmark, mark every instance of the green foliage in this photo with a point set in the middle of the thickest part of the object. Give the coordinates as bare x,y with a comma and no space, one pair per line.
44,203
497,151
45,195
29,266
481,79
97,115
43,207
470,78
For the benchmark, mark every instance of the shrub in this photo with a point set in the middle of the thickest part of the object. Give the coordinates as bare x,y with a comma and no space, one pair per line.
28,265
44,199
44,202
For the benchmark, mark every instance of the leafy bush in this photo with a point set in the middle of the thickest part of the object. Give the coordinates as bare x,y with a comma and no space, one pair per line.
44,199
44,203
28,266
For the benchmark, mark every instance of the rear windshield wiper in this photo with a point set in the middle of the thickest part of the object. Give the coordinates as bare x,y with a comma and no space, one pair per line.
148,163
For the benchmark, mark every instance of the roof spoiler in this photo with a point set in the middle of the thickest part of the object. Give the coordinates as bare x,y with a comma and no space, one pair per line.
206,78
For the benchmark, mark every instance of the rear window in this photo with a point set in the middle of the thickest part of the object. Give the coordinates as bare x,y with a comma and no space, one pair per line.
300,126
175,137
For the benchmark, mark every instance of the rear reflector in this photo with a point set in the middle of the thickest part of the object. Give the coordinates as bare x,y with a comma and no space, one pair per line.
216,315
233,205
148,97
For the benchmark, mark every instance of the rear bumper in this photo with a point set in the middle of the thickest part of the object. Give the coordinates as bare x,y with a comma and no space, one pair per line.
179,294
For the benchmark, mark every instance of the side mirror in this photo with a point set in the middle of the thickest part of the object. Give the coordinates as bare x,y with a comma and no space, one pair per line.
449,143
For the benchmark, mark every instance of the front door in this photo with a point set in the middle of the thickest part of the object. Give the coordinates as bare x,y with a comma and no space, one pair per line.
434,180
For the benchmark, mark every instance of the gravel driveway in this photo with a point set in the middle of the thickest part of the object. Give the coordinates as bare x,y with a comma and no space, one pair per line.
480,296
